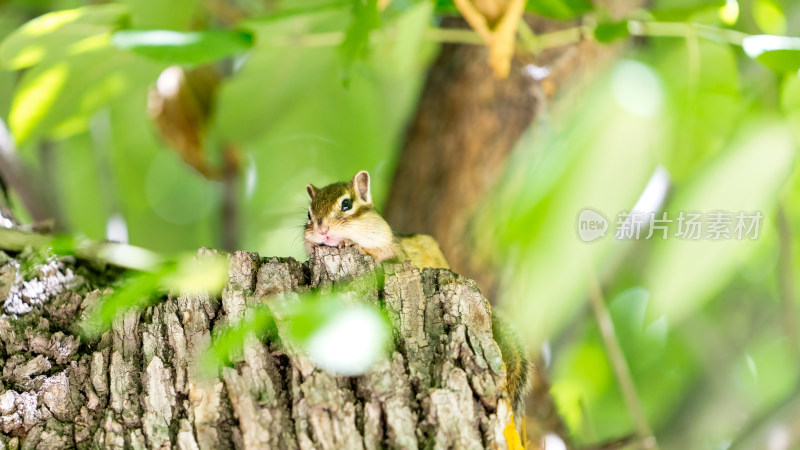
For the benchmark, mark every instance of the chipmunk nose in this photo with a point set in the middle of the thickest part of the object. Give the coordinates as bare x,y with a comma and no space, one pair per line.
323,229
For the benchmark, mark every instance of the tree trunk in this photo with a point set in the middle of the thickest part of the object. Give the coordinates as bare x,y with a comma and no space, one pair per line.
466,124
457,147
139,385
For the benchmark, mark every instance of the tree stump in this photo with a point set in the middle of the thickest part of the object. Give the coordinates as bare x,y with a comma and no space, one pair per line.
139,385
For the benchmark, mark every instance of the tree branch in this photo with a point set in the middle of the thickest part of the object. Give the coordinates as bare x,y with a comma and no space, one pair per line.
19,179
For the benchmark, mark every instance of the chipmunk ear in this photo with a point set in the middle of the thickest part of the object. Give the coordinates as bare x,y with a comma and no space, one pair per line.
361,185
312,191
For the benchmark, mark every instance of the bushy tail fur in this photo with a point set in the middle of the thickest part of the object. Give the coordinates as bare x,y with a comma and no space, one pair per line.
518,368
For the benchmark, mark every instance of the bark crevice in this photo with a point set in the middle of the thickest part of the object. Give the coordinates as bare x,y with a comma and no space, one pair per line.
141,385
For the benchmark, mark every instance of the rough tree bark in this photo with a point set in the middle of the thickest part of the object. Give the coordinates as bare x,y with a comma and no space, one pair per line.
139,385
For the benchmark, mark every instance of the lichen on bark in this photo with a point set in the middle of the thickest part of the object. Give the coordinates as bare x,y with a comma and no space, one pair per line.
141,385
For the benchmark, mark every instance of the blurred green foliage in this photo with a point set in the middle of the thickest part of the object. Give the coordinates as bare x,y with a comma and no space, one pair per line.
186,275
338,335
704,104
706,327
82,83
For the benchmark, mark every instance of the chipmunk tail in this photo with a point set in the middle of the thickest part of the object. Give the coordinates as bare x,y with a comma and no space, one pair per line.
519,369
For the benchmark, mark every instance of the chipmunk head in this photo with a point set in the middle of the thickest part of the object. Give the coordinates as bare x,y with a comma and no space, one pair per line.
338,212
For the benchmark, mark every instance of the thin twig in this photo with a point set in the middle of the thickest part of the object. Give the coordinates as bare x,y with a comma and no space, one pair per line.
102,143
531,43
620,365
121,255
48,165
682,30
231,175
18,178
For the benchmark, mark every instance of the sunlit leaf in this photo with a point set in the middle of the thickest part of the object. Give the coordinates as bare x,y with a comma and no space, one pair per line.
176,47
57,98
59,34
135,291
34,99
769,17
779,53
730,12
194,275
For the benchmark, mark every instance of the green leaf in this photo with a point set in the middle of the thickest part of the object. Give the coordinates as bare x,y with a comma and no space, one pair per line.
705,107
779,53
176,47
769,17
559,9
258,321
356,40
58,97
683,10
607,32
34,99
309,315
781,60
136,291
444,7
198,275
59,34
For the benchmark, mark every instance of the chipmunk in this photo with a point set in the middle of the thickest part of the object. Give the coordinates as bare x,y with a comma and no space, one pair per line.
342,214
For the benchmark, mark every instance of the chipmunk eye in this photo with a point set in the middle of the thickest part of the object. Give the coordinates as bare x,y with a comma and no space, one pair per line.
347,204
309,215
